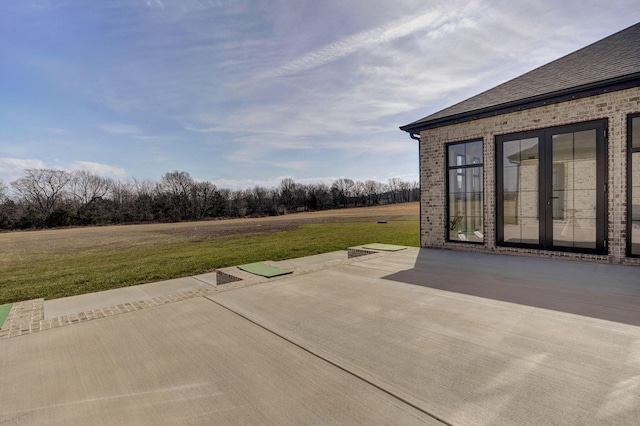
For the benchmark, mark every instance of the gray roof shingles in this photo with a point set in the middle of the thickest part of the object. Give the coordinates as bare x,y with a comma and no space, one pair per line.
611,60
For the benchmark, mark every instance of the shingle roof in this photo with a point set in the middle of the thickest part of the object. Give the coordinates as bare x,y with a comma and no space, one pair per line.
612,63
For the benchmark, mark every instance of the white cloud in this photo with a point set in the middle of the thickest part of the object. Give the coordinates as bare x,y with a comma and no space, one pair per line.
13,168
99,169
203,130
345,101
441,20
237,184
298,166
145,137
157,2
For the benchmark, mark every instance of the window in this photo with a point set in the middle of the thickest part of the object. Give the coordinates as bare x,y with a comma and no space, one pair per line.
465,192
633,185
519,189
550,188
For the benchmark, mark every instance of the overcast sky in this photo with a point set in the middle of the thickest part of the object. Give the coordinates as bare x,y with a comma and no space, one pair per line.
247,92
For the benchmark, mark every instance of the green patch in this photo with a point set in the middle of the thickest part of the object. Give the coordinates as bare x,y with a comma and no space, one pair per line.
4,313
384,247
264,270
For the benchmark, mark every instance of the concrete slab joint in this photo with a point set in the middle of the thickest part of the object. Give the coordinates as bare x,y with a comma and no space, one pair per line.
407,337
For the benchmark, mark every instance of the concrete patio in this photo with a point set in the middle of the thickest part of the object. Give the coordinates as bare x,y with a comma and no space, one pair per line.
410,337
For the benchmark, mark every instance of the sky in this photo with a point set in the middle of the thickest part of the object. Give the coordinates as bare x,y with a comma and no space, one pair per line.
248,92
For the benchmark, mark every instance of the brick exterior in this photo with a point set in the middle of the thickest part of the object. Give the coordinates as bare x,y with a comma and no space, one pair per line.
613,106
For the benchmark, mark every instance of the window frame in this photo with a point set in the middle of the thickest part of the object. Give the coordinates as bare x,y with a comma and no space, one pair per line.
499,185
630,152
545,176
448,168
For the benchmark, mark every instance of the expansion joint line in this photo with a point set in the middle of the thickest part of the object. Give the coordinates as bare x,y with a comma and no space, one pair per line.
335,364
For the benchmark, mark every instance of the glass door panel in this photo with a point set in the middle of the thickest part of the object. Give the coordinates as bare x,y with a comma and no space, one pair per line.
520,191
635,201
551,188
574,197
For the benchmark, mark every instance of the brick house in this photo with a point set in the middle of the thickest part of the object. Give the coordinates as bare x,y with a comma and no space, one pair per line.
546,164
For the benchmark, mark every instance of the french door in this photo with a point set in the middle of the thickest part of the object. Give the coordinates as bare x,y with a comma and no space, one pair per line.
551,188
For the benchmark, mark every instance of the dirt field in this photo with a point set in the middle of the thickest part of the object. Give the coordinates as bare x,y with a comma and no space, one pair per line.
211,229
15,245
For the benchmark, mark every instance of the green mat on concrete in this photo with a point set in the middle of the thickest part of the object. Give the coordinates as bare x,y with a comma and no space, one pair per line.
384,247
264,270
4,313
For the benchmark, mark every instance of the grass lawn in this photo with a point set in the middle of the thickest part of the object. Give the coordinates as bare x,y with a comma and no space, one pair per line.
58,263
4,313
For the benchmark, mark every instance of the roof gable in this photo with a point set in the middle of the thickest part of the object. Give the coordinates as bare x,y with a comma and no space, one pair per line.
612,63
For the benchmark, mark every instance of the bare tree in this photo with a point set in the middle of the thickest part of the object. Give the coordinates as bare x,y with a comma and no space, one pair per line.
342,191
222,203
358,193
122,195
121,192
261,201
415,191
287,194
178,185
8,209
372,190
318,197
3,192
145,187
237,203
395,187
43,190
89,191
88,187
45,197
300,195
405,190
203,198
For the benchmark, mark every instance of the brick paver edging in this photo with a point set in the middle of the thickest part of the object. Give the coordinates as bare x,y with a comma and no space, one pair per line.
28,317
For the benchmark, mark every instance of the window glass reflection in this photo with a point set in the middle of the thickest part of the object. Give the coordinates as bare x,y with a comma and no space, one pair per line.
466,192
584,145
635,203
520,186
635,132
574,195
529,149
456,155
473,153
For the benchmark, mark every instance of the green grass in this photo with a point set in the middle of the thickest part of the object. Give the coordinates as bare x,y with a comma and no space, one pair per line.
4,313
65,270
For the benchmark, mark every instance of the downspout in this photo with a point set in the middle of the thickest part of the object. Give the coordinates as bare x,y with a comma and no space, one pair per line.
416,137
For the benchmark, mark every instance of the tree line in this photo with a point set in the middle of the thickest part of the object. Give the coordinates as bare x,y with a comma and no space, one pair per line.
44,198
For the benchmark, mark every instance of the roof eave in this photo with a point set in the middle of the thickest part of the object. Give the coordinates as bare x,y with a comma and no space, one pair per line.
597,88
